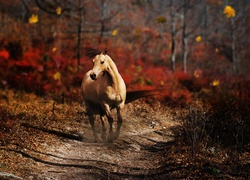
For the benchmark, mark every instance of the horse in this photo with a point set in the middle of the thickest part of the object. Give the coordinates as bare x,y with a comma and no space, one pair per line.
103,89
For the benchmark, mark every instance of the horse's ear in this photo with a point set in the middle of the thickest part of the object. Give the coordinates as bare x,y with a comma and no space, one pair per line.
105,51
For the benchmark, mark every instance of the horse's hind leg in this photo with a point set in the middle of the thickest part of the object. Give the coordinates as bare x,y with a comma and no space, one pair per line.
103,136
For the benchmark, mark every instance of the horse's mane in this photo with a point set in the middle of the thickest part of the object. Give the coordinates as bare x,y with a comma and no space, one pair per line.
91,52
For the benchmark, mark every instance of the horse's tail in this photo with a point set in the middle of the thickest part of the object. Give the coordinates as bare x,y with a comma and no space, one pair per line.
134,95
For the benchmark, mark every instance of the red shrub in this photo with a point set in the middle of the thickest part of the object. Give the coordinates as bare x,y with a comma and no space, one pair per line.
156,76
4,54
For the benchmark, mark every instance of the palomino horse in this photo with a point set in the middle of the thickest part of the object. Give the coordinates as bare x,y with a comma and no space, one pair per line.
103,89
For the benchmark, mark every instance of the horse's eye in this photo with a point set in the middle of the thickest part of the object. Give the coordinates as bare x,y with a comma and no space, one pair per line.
102,62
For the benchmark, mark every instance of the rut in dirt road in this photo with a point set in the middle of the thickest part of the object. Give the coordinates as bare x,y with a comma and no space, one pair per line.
138,153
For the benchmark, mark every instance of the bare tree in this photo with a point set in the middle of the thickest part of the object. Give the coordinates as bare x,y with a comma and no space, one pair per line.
233,40
106,16
173,34
184,36
188,28
103,8
79,33
66,9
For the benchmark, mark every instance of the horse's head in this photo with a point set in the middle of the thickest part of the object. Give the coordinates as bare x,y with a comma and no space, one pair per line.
101,65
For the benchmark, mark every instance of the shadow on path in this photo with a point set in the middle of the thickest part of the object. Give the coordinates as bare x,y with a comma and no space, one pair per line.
54,132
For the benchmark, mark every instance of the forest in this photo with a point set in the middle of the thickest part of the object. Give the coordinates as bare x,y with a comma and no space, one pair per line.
194,50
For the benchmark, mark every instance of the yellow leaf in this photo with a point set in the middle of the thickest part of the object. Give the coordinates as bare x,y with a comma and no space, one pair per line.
216,50
115,32
229,12
170,45
197,73
215,83
57,76
161,19
33,19
162,83
59,10
54,49
198,39
138,32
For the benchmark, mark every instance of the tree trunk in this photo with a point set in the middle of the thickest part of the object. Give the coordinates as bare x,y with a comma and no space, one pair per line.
173,33
79,38
184,37
233,45
102,30
184,55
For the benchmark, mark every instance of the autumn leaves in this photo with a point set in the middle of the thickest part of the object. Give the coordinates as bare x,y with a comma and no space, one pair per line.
229,12
34,17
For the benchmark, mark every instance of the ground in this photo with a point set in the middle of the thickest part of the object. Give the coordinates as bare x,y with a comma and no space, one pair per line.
55,141
43,138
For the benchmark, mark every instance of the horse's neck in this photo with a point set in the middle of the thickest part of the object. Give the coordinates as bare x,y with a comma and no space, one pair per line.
116,77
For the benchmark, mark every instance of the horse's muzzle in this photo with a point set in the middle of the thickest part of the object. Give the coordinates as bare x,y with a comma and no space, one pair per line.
93,76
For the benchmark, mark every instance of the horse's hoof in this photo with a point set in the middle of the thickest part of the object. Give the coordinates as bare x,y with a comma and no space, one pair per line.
116,135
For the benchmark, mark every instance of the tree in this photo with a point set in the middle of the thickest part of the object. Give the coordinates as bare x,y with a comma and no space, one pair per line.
79,33
230,14
193,25
66,8
173,34
104,12
184,36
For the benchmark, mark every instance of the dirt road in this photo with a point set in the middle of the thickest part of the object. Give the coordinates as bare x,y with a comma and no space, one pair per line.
42,139
63,148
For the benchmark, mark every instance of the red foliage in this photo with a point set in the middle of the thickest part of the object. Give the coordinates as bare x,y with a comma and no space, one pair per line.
156,76
4,54
35,71
180,75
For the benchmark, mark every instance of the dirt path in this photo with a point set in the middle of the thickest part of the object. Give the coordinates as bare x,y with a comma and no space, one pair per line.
132,156
63,148
54,141
42,139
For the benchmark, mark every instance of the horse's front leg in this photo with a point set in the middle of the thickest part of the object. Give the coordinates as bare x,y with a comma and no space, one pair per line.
92,123
103,127
110,120
119,122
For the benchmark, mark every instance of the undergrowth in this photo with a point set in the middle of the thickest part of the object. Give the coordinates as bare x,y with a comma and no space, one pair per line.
214,139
